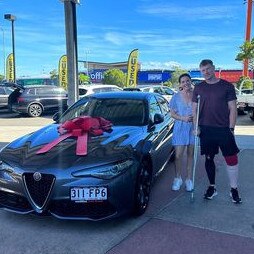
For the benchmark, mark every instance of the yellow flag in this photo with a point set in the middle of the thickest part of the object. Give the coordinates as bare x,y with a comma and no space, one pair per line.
132,68
62,71
9,68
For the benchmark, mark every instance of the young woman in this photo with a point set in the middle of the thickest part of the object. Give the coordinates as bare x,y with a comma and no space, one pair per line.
181,111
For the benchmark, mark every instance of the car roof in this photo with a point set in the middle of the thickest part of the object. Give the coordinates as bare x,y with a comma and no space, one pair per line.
136,95
146,86
97,86
42,86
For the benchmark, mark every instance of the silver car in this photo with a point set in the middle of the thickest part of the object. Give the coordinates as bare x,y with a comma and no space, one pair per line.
165,91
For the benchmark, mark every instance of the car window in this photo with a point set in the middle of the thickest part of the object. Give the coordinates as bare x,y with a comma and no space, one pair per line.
82,91
146,89
59,91
43,91
164,105
2,91
126,112
154,108
115,89
8,90
29,91
168,91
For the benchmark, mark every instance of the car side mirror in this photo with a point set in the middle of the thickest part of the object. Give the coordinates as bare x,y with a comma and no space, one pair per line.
158,118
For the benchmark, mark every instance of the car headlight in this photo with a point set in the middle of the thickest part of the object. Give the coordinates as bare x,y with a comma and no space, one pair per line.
105,172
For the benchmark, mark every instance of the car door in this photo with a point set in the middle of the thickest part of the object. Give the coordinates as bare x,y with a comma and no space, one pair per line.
4,94
3,97
161,133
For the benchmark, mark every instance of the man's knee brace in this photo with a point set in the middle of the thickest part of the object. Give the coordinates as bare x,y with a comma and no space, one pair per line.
231,160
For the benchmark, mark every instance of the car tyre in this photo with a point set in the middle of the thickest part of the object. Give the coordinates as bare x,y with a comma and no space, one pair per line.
142,189
35,110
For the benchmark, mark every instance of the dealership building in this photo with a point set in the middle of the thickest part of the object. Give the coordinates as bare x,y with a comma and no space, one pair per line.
96,69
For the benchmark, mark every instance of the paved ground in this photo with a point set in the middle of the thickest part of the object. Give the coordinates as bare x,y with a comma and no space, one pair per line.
172,223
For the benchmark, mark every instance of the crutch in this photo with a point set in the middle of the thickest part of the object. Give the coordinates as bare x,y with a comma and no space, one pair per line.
196,145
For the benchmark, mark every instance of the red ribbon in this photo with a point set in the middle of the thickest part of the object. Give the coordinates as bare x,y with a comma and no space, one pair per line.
79,127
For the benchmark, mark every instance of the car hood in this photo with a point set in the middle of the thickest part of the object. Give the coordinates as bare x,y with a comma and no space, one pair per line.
109,147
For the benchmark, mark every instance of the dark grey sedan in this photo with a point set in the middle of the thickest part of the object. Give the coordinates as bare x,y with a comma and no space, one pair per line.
97,161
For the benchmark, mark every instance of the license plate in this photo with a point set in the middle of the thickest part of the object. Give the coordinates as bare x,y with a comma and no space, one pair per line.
88,194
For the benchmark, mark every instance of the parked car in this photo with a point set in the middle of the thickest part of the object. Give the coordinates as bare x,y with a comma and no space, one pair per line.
165,91
85,90
126,143
196,81
5,91
37,99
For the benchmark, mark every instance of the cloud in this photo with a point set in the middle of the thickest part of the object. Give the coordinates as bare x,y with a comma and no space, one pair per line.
152,65
191,12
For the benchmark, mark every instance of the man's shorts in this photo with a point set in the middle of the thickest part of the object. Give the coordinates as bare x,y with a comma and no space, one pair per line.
213,138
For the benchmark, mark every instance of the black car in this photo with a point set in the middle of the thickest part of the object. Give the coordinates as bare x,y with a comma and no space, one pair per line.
37,99
97,161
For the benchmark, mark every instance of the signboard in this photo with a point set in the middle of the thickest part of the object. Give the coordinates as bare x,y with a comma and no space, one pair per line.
9,68
62,70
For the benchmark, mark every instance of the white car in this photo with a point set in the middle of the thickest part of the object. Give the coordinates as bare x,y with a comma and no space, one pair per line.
85,90
165,91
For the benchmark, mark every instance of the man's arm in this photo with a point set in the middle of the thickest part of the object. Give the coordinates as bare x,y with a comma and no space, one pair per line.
232,113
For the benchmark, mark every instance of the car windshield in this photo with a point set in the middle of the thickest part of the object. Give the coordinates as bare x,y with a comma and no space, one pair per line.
125,112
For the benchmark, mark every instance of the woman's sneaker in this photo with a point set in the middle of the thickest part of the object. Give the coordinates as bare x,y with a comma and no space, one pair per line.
177,183
210,193
188,185
235,196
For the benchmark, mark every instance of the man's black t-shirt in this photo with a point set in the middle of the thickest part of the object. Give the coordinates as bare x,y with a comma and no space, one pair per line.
214,100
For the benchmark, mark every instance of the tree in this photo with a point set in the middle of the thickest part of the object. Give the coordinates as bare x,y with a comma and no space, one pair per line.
247,53
114,77
175,75
83,79
53,74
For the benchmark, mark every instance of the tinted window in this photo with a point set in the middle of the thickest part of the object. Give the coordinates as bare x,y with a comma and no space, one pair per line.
43,91
154,108
82,91
164,105
2,90
168,91
125,112
29,91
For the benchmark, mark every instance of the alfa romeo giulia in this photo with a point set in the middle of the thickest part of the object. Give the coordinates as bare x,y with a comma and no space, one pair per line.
98,160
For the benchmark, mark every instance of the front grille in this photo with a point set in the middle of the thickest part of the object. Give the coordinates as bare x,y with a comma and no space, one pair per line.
14,202
39,191
95,211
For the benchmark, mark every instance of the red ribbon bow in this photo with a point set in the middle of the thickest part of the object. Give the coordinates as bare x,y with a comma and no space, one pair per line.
79,127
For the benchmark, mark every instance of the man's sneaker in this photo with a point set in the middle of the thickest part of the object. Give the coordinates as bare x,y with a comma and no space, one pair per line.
210,193
235,196
188,185
177,183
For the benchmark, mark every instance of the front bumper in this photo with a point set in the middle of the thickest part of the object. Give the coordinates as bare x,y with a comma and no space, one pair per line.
20,193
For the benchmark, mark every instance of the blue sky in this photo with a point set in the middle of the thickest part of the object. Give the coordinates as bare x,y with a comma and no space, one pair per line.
166,32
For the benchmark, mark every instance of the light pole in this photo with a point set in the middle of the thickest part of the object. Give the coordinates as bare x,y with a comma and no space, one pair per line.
247,35
87,65
71,49
3,51
12,18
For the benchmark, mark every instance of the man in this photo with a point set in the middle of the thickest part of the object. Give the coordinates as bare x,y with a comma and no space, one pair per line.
217,119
